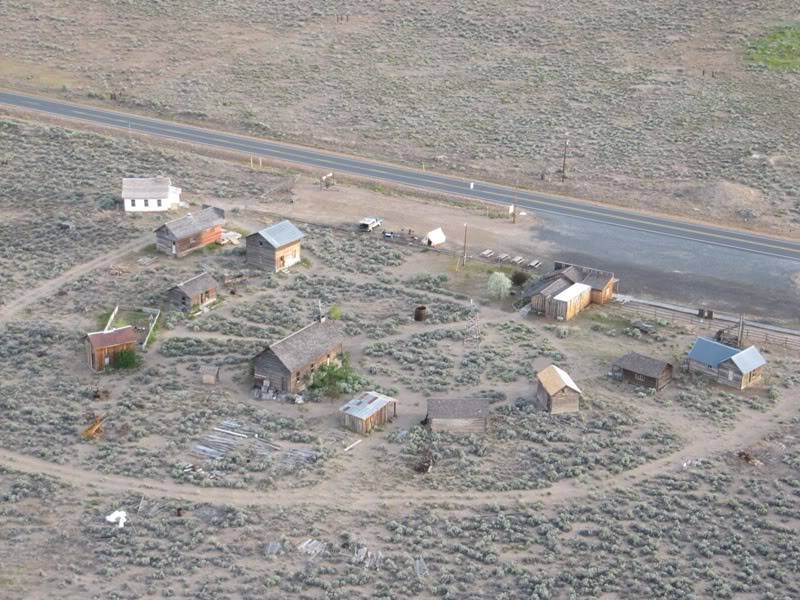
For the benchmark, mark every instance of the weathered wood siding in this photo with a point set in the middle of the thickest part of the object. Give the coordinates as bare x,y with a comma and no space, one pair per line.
565,401
729,374
97,358
184,246
267,367
465,426
564,310
262,255
605,295
380,417
183,302
643,380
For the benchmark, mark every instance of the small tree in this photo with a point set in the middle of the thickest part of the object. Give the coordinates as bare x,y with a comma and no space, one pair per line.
334,379
499,285
127,359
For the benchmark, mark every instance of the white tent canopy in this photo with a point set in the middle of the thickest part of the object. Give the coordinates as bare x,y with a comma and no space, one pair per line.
435,237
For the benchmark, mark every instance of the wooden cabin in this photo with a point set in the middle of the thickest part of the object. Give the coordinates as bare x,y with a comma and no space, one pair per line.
367,411
543,292
149,194
556,392
274,248
191,232
193,293
459,416
284,365
728,365
103,347
642,370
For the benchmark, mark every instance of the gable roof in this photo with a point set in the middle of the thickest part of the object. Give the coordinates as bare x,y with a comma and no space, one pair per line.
458,408
641,364
366,404
146,187
572,292
280,234
114,337
197,284
748,360
710,352
191,224
435,237
554,379
302,347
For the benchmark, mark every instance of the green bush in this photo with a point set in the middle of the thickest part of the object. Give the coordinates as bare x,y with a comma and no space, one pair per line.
335,313
334,379
518,278
127,359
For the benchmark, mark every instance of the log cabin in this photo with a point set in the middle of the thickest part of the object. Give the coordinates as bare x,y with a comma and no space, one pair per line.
274,248
191,232
193,293
283,366
642,370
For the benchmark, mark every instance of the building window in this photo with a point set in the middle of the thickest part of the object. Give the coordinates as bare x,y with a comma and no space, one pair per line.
146,202
158,202
638,377
133,202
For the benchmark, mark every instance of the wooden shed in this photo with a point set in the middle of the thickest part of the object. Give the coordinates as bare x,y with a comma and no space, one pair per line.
543,292
727,364
284,365
209,374
193,293
103,347
462,416
275,248
565,305
556,392
191,232
642,370
367,411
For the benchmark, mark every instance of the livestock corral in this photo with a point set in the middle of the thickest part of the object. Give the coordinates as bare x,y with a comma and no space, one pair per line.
175,476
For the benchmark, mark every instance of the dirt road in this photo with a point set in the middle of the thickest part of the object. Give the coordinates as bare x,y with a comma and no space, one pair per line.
32,296
753,427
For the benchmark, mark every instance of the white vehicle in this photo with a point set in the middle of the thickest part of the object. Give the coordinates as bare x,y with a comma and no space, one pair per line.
369,223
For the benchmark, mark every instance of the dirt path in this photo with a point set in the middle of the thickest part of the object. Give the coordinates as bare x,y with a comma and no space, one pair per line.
751,428
50,286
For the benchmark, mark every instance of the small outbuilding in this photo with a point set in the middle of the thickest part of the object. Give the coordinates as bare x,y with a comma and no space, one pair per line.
103,347
462,415
209,374
556,392
727,364
274,248
567,304
367,411
194,293
149,194
191,232
284,365
642,370
435,238
542,293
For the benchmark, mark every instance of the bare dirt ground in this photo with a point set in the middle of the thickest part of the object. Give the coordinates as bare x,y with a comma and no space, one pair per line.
623,499
662,109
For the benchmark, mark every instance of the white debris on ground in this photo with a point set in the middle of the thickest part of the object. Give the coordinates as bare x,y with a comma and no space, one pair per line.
119,517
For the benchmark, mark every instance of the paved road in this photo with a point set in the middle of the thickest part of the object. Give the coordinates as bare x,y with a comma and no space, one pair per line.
426,181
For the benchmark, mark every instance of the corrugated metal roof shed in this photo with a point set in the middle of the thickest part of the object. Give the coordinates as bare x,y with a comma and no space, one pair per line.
710,352
280,234
366,404
748,360
572,292
554,379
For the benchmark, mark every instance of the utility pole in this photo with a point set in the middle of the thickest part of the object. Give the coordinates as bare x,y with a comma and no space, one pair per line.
465,245
564,161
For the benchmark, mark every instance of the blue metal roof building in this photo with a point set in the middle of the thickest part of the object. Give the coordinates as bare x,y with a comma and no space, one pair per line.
711,353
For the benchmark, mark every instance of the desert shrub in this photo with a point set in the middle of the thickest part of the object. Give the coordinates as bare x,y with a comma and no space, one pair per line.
334,379
127,359
335,313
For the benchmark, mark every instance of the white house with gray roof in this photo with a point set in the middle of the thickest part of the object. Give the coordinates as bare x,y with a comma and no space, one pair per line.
274,248
149,194
728,365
